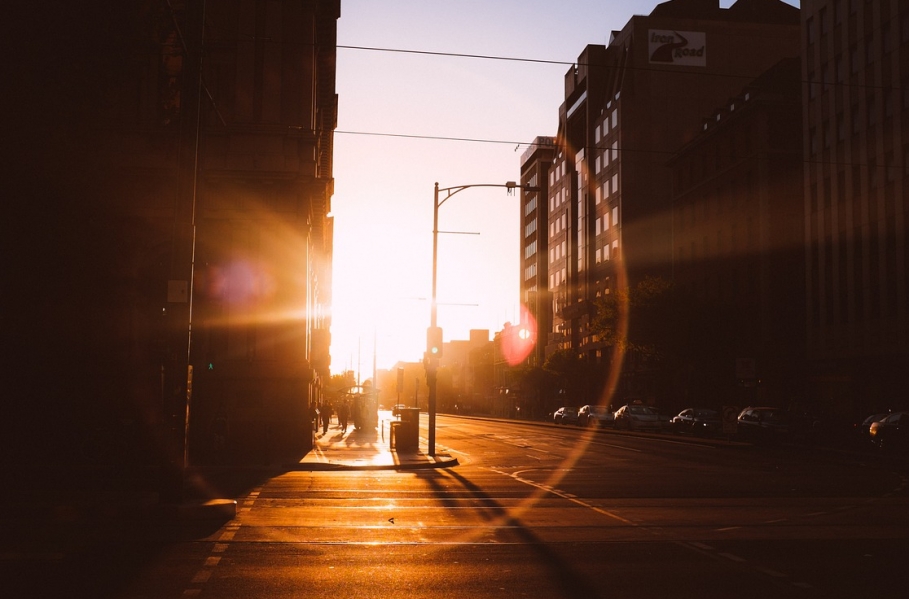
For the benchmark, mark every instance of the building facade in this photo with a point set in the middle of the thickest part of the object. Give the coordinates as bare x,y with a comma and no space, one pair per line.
534,280
738,260
221,161
628,108
856,152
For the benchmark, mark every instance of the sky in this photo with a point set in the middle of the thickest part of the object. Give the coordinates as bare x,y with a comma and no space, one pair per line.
411,114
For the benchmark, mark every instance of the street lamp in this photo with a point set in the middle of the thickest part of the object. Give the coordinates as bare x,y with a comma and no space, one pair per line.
432,358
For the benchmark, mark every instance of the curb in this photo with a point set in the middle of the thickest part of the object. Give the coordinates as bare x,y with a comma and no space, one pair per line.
322,467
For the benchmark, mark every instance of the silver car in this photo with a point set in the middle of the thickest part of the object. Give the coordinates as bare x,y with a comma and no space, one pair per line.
637,418
595,416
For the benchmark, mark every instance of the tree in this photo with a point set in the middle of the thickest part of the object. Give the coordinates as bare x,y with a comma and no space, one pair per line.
645,325
642,319
576,378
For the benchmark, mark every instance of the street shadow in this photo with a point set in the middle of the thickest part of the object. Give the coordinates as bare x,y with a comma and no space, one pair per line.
574,582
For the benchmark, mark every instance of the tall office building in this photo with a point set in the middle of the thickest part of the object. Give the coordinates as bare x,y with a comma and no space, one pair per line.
628,108
856,151
534,280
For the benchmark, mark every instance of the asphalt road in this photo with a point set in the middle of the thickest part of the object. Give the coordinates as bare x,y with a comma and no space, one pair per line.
535,511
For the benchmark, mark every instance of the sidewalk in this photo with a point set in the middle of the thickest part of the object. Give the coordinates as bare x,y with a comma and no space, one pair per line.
368,450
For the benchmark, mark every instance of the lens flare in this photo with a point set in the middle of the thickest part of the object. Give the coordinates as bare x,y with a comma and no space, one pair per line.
519,340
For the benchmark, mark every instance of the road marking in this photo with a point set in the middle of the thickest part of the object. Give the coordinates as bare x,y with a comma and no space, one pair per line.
567,496
770,572
201,577
734,558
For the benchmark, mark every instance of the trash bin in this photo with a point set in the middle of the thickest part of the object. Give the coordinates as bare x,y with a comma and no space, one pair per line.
407,434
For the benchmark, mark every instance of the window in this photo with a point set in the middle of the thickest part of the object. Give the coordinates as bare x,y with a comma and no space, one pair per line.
615,216
531,228
531,249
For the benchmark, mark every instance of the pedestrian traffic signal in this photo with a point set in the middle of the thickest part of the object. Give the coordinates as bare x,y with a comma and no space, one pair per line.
434,342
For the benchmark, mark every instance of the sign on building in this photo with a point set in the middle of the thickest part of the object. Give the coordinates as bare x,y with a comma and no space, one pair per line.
683,48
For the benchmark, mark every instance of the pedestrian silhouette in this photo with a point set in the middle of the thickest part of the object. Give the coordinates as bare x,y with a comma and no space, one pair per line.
343,415
326,416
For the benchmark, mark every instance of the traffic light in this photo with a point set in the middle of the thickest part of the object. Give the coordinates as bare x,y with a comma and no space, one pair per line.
434,342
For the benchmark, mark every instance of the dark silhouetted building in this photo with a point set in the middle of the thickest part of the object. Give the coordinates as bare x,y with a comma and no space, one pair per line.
737,235
175,206
856,151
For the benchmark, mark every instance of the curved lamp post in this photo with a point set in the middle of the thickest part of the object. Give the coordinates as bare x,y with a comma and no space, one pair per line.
432,359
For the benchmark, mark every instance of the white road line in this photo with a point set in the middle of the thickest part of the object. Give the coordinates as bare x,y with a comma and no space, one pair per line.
732,557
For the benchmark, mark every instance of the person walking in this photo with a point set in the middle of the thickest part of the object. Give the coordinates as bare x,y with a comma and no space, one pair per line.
343,415
326,416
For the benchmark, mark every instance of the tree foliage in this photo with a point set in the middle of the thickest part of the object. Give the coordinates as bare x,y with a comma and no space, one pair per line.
643,319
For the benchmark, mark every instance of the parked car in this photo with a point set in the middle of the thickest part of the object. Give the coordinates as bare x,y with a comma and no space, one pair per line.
697,421
597,416
565,415
764,424
891,433
637,418
863,428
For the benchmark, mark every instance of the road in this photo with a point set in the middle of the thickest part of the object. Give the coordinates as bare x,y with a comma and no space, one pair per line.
554,512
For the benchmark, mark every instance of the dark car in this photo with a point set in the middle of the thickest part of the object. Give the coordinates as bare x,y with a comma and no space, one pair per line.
891,433
595,416
565,415
697,421
764,424
863,428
